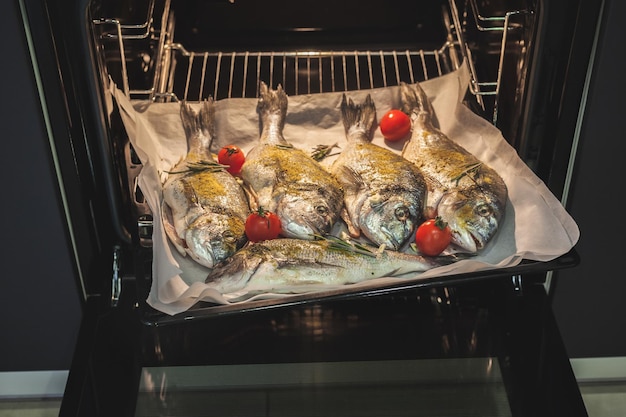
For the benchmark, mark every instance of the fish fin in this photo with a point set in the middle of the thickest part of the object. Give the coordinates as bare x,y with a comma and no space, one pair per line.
351,180
408,98
251,195
354,197
415,103
234,273
272,103
190,193
206,118
432,200
353,229
199,127
170,230
358,119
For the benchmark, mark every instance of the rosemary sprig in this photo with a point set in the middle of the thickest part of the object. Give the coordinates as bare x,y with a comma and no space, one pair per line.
323,151
200,166
344,246
470,171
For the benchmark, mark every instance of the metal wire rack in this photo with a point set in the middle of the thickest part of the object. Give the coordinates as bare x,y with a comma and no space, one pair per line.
178,73
236,74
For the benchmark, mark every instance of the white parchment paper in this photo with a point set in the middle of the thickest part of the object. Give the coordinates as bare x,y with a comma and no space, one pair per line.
535,226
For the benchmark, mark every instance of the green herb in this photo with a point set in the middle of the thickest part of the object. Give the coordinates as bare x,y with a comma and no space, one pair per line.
471,171
341,245
323,151
201,166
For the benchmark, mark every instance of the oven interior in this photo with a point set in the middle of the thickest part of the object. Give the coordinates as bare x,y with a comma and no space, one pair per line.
169,50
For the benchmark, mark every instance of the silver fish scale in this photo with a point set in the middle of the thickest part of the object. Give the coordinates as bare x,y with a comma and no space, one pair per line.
465,192
286,180
204,208
384,193
280,263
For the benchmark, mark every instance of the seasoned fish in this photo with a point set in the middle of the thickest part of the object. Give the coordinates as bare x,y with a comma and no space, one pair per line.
279,263
204,207
464,191
286,180
384,193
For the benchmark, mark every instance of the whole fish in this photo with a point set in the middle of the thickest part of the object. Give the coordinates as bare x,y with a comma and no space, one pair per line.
280,263
286,180
464,191
204,208
384,193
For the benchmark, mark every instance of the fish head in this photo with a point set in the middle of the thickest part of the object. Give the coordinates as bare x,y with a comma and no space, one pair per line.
304,215
390,221
212,238
473,217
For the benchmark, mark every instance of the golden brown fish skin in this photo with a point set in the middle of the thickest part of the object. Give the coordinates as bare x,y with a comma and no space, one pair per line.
384,193
465,192
286,180
272,265
204,208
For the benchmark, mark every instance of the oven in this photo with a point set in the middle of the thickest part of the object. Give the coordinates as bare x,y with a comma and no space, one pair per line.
475,340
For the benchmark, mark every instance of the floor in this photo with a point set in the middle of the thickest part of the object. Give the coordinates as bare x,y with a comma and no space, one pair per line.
30,408
604,399
601,399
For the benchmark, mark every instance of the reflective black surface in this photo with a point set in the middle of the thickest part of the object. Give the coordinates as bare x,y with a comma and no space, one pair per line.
451,387
486,319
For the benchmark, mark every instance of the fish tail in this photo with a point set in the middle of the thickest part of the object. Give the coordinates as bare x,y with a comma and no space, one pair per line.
358,119
272,109
415,103
199,127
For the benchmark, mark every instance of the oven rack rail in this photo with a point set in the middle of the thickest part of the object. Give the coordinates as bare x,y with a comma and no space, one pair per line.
236,74
333,71
500,26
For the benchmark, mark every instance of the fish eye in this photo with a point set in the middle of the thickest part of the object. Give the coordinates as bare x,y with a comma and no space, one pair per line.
321,210
402,213
484,210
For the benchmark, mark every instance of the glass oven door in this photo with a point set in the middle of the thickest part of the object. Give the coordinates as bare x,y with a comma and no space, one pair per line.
456,386
487,348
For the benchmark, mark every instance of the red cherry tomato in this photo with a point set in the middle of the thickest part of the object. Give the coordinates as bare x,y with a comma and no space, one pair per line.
395,125
233,156
262,225
433,236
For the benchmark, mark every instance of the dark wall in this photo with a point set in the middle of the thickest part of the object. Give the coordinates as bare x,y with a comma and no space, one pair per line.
39,300
589,299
